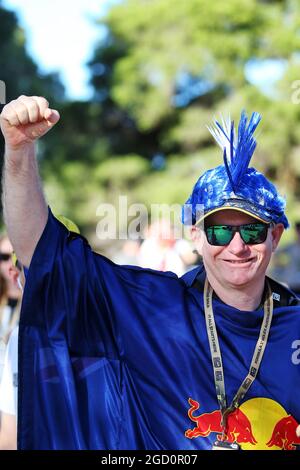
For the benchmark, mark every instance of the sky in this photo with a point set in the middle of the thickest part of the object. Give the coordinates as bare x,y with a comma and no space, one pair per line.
61,36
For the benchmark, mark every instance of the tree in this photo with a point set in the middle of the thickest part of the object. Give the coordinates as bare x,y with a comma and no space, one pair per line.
168,66
17,70
163,70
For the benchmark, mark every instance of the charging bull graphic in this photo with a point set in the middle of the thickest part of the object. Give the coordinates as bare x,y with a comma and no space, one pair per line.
260,423
238,425
284,434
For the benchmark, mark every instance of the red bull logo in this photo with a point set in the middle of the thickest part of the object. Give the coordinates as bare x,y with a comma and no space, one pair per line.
284,434
238,425
259,423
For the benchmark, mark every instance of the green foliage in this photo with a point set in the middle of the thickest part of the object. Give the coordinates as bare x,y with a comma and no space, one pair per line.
121,172
17,69
211,40
163,71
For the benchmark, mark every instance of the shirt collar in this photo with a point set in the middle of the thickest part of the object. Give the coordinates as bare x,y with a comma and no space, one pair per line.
190,277
282,296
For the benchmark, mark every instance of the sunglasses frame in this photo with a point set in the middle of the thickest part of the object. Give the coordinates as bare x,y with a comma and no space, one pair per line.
5,256
238,228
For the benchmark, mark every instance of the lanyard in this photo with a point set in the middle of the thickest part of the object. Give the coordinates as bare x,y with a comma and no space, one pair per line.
216,353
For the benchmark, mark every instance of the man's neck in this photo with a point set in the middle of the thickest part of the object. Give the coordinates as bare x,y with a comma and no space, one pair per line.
247,298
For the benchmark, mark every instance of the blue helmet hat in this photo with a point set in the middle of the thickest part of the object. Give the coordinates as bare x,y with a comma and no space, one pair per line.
234,185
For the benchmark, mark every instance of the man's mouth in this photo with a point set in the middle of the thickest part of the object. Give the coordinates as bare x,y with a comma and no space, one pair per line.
240,261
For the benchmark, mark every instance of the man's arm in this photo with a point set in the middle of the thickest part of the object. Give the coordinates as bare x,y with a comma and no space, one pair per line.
22,122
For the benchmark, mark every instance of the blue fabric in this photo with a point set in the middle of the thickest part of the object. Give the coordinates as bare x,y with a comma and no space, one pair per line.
255,194
110,355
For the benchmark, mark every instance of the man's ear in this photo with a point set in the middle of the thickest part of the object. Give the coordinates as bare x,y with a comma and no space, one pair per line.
277,232
194,233
197,237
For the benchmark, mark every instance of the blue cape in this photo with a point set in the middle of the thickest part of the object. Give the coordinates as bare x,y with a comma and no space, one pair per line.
117,357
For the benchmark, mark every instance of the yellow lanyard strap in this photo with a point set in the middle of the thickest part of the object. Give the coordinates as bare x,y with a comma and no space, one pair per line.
216,352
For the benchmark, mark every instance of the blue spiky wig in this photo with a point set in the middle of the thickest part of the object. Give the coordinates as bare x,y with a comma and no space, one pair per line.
233,185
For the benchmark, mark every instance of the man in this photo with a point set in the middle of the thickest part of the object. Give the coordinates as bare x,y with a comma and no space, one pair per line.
118,357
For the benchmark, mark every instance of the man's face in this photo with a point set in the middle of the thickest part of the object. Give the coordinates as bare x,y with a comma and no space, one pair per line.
236,264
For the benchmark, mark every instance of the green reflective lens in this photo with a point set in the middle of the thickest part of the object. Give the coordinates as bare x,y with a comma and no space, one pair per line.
219,234
252,234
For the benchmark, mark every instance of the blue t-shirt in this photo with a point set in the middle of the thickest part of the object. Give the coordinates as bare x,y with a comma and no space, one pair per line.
117,357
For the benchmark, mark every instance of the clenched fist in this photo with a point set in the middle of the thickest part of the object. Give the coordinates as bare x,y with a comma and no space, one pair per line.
25,120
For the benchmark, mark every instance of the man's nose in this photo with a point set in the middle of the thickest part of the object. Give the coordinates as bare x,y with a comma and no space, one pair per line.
237,245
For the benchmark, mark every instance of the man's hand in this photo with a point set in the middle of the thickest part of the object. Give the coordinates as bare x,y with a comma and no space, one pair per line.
25,120
22,122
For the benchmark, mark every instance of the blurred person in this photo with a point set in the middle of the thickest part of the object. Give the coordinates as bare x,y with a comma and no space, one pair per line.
286,263
9,395
129,252
119,357
9,297
10,294
161,250
9,381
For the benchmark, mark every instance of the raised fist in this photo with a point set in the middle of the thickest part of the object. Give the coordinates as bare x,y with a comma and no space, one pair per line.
25,120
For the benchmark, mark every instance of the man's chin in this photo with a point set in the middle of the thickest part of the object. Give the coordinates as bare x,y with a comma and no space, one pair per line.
240,280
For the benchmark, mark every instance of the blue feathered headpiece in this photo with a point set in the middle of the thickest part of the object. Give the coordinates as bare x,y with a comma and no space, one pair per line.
234,185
